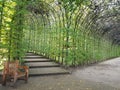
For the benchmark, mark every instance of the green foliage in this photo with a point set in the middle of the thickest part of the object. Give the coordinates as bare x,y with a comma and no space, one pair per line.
63,30
67,36
11,29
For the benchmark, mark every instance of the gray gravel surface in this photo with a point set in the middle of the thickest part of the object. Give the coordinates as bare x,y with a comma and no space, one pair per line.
102,76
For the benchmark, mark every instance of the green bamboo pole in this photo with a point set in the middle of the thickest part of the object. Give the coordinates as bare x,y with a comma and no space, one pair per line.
1,16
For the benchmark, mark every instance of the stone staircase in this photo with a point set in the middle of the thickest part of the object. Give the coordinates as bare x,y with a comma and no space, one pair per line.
40,66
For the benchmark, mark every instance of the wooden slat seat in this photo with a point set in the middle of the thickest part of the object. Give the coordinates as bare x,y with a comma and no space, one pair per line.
12,70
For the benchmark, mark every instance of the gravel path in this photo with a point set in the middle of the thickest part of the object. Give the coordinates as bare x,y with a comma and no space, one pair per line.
107,72
102,76
62,82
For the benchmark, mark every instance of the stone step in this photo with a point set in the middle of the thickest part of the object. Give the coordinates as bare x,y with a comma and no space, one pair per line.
33,57
47,71
42,64
37,60
30,53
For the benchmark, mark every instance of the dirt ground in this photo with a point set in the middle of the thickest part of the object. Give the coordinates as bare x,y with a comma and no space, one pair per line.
102,76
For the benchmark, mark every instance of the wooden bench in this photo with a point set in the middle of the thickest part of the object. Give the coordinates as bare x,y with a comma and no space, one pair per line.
13,71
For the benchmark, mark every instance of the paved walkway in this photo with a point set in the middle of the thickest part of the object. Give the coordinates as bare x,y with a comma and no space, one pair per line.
102,76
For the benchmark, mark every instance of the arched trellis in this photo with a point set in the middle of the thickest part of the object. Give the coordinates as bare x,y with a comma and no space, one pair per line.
68,31
70,37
